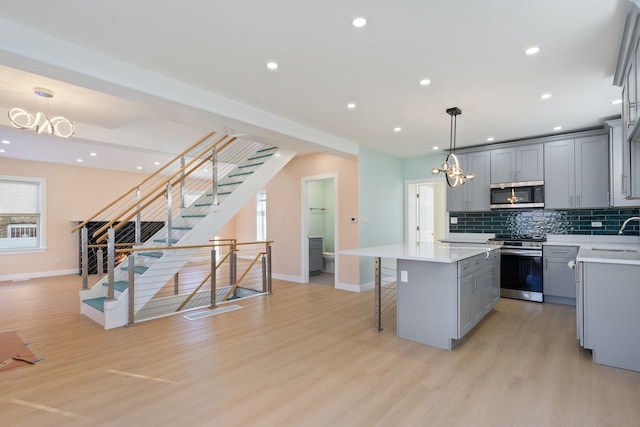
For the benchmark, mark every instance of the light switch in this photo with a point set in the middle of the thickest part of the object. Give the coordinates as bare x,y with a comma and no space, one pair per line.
404,276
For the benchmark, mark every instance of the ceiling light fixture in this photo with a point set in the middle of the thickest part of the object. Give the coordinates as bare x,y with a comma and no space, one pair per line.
616,101
532,50
41,123
451,167
557,128
436,148
397,129
425,82
359,22
6,141
545,96
272,65
1,150
351,105
490,139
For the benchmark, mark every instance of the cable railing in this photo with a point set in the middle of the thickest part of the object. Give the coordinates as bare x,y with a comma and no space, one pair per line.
213,273
385,291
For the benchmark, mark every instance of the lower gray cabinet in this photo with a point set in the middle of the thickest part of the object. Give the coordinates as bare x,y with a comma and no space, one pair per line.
315,255
558,280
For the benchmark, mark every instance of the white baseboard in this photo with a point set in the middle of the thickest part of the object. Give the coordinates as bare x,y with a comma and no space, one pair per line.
38,274
294,279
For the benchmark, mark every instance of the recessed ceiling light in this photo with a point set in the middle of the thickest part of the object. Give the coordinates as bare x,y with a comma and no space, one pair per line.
397,129
436,148
79,160
272,65
156,163
93,154
545,96
139,168
614,102
1,150
490,139
359,22
6,141
351,105
557,128
425,82
532,50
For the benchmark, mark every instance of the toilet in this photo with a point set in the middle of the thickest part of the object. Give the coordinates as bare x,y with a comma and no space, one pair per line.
327,262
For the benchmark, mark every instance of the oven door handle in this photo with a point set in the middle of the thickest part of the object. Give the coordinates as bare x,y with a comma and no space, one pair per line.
521,252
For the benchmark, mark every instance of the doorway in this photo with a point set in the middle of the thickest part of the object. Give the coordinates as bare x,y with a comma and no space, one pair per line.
426,211
319,229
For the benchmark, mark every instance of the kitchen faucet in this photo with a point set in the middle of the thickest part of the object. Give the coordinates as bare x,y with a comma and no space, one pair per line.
626,221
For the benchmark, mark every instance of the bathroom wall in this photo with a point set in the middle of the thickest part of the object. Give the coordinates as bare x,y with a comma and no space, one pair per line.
322,211
539,222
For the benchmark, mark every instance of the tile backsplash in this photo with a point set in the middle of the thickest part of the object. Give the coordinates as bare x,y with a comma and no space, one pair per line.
537,223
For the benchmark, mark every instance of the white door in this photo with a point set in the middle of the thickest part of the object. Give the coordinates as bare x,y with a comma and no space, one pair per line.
424,212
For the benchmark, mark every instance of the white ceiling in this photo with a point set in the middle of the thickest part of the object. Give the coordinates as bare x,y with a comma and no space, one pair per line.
158,75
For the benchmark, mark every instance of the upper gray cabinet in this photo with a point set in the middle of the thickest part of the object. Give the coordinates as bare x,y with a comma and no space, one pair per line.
517,164
474,195
627,76
619,167
576,173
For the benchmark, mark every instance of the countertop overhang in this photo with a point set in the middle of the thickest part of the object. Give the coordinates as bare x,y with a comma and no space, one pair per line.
424,251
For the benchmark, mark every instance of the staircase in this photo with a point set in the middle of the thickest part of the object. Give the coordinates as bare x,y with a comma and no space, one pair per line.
232,169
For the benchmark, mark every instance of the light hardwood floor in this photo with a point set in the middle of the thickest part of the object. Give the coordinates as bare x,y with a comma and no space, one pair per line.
305,356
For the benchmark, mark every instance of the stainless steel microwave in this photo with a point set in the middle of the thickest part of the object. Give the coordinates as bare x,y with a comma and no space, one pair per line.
517,195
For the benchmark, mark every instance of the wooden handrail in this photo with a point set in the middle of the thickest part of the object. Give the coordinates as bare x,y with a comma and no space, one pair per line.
92,217
159,187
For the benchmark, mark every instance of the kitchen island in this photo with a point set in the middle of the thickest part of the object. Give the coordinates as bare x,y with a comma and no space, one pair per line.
444,289
608,293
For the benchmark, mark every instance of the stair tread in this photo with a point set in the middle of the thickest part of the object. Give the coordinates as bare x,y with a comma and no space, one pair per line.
181,228
193,216
262,156
156,254
251,165
203,204
97,303
165,240
138,269
266,149
226,184
118,285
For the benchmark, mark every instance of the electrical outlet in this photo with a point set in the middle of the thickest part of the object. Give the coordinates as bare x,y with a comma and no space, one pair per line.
404,276
453,220
596,224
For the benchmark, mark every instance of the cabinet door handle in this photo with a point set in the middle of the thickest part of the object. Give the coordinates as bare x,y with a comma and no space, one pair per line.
578,204
546,263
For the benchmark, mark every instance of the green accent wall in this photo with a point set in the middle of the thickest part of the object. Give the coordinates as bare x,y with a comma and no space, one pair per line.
382,203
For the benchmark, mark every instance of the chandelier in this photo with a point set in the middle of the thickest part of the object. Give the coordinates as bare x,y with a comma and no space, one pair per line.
40,122
451,167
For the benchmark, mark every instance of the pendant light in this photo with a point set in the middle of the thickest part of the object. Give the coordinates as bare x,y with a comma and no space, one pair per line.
451,167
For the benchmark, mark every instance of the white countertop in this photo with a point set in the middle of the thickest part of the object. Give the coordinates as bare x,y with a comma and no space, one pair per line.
603,249
425,251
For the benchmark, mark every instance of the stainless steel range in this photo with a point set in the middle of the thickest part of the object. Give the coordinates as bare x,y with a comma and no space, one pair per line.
520,268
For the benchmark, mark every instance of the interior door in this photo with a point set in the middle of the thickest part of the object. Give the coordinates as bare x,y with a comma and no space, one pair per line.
424,212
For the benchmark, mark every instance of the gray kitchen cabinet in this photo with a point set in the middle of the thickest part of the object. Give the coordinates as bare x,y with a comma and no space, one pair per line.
576,173
315,255
558,279
626,76
474,195
619,173
517,164
610,315
478,289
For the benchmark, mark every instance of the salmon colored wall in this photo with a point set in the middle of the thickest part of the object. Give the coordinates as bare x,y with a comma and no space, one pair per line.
73,193
284,216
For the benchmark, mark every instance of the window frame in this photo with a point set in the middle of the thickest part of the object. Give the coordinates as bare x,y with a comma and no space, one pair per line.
42,214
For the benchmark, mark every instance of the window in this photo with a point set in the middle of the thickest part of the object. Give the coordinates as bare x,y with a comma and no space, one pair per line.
261,216
21,213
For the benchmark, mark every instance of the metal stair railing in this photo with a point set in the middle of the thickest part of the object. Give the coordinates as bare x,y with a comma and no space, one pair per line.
206,281
192,179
